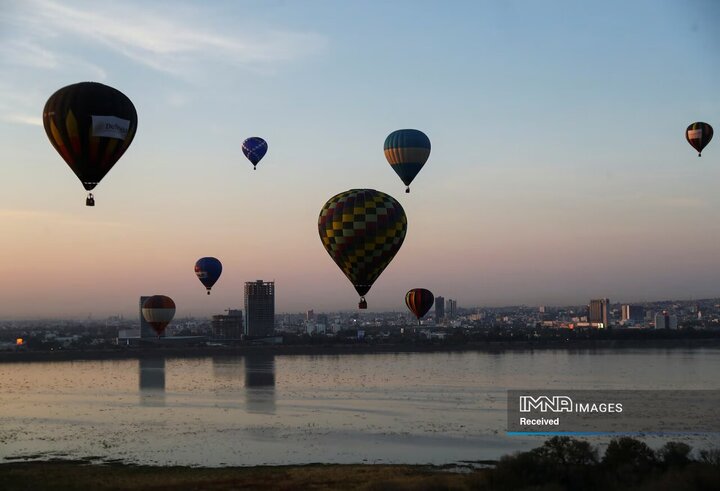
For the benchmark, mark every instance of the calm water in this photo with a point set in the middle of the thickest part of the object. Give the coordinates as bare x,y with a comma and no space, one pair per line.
401,408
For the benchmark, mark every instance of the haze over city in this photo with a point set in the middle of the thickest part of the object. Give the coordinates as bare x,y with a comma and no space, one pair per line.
558,172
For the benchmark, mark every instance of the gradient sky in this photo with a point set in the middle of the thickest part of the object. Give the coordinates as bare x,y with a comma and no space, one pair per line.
559,169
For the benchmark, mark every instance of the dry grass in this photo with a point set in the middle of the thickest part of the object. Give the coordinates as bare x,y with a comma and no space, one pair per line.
81,476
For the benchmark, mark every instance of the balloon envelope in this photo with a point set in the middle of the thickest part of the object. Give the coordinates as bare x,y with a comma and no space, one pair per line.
699,135
208,270
254,149
362,230
90,125
407,151
419,301
158,311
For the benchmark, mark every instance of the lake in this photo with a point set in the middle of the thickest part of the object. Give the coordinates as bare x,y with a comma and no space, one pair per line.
291,409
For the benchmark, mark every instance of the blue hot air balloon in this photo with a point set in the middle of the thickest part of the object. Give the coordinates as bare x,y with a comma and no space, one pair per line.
208,270
254,149
407,151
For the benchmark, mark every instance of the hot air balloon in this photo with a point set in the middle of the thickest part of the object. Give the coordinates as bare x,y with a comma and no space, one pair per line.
419,301
90,125
158,311
208,270
362,230
407,151
699,135
254,149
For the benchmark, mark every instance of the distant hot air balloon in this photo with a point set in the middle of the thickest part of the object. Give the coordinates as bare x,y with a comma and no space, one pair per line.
90,125
254,149
208,270
419,301
699,135
407,151
362,230
158,311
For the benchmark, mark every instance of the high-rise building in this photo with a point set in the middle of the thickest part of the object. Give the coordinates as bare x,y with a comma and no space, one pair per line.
228,327
450,308
633,313
664,320
439,309
259,308
598,312
146,330
309,315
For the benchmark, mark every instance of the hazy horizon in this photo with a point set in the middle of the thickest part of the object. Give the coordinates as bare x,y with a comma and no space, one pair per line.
559,170
399,309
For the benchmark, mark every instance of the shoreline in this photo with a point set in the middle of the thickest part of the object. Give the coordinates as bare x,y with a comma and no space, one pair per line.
122,353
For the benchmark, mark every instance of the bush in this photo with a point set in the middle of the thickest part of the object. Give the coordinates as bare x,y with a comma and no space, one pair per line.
626,451
675,454
628,461
563,450
711,456
560,463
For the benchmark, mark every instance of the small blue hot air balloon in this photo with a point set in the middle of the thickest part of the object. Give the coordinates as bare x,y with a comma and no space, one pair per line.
407,151
208,270
254,149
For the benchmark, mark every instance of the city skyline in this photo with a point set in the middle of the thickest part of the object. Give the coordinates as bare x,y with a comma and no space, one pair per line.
558,172
582,309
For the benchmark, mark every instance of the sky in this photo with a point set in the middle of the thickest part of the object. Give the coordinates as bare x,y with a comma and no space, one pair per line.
559,169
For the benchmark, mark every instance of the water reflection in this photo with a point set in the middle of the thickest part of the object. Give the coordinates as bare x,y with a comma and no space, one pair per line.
228,368
258,373
260,383
152,381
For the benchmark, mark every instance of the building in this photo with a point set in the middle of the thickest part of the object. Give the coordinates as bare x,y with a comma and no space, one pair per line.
146,330
439,309
450,308
598,312
632,313
663,320
228,327
309,315
259,308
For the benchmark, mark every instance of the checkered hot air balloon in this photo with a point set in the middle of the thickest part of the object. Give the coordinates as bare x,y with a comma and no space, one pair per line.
407,151
362,230
419,301
158,311
699,135
254,149
90,125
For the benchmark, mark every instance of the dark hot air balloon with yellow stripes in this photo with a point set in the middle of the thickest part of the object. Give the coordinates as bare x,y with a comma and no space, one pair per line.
91,126
699,135
407,151
419,301
362,230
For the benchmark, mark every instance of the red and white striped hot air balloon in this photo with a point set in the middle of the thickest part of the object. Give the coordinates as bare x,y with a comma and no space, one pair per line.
158,311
